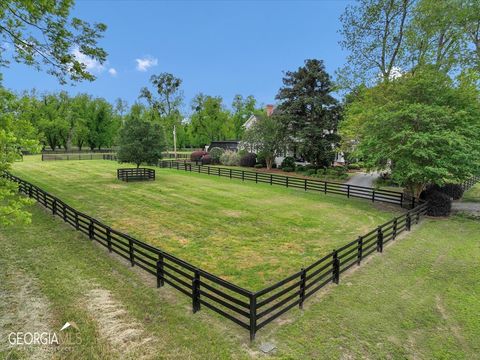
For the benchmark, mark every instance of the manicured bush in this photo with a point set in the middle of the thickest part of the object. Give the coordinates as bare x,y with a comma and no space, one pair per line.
300,168
288,162
248,159
440,204
455,191
215,154
197,155
354,166
259,166
207,159
230,158
288,169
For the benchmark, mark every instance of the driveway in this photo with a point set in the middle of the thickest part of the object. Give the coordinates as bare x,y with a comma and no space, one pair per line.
363,179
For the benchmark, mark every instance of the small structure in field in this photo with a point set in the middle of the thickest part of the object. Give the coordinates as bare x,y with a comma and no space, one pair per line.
132,174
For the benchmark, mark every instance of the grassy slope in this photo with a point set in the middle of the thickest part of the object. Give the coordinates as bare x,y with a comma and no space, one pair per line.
252,234
417,300
472,195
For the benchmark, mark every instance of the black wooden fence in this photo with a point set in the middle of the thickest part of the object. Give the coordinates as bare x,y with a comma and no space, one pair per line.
79,156
130,174
327,187
252,310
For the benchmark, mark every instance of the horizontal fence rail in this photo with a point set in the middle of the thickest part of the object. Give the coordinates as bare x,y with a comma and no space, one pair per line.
354,191
135,174
77,151
248,309
77,156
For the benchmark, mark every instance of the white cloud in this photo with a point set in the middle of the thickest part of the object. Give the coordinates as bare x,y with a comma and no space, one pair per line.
146,63
90,64
112,72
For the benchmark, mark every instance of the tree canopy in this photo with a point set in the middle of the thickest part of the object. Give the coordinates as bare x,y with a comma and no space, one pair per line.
310,112
42,33
140,141
423,127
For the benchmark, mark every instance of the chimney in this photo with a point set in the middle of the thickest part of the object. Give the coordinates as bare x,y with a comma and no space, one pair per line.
269,109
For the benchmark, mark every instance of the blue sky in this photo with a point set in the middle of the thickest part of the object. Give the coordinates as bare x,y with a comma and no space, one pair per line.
218,48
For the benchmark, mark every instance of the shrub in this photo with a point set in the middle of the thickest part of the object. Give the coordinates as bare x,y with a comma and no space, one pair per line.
288,168
440,204
288,162
261,159
197,155
259,166
230,158
455,191
429,189
310,172
215,153
207,159
300,168
354,166
248,159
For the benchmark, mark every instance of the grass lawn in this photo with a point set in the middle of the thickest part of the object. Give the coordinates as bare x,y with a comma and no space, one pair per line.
251,234
419,300
472,195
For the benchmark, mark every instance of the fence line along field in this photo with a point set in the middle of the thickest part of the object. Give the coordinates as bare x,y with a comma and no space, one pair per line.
251,234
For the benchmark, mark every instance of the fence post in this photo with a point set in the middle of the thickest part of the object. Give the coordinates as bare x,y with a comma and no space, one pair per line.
348,191
30,190
302,288
90,230
401,200
256,177
373,195
394,230
271,179
130,250
286,181
243,175
76,221
230,173
413,201
218,170
325,187
379,239
64,213
208,167
336,267
360,250
408,221
54,206
253,316
109,240
305,185
160,271
196,292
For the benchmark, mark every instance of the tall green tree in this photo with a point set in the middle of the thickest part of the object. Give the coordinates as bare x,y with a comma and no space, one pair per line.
243,108
423,127
310,112
165,100
373,31
210,120
43,33
140,141
267,137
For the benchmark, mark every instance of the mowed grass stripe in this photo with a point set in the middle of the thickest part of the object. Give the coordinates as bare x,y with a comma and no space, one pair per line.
251,234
